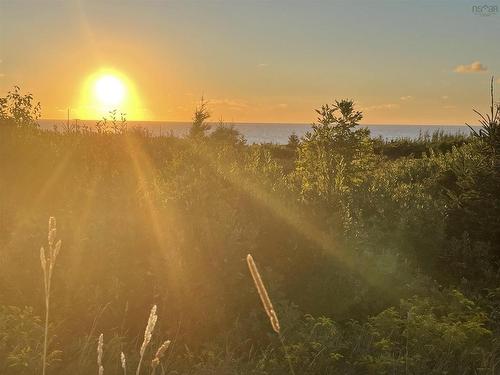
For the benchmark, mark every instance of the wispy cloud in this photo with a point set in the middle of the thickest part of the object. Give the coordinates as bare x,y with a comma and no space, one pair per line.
234,104
406,98
262,65
475,67
445,97
377,107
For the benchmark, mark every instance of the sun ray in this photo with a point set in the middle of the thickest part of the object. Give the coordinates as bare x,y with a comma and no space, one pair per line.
296,218
144,173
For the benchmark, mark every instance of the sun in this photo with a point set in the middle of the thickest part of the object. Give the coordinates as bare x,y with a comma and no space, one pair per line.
109,90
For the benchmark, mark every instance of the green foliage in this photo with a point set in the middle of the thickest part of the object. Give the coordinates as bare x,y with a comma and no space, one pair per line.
293,141
227,135
437,141
490,127
111,123
445,334
200,126
470,180
21,341
347,237
19,110
334,155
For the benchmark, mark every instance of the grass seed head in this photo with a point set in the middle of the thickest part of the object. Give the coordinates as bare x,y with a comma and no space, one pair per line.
100,347
149,329
160,353
264,297
123,360
43,261
52,231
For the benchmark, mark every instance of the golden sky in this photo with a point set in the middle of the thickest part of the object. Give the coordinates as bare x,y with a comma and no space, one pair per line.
425,62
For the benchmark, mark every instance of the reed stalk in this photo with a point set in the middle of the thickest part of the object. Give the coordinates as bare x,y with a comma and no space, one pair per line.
47,261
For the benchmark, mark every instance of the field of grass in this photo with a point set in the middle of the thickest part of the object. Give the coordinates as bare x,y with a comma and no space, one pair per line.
367,257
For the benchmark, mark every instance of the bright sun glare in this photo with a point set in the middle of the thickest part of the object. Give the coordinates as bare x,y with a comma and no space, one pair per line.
109,90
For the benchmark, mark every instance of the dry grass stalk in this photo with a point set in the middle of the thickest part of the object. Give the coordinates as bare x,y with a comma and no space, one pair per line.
264,297
159,355
147,336
100,349
47,261
268,307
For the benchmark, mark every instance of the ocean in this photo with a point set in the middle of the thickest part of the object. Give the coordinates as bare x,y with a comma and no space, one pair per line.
277,132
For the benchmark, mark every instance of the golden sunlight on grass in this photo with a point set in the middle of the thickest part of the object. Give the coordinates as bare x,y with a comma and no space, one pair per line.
108,90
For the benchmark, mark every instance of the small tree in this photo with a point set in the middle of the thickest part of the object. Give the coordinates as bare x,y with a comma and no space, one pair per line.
490,127
19,110
473,180
199,126
293,141
227,134
334,154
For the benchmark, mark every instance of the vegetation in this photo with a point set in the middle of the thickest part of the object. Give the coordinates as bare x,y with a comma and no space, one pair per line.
379,257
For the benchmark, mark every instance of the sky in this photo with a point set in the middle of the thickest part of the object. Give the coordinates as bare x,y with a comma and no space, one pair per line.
402,62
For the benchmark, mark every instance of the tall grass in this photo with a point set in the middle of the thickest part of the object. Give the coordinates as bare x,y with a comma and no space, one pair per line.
148,333
159,355
48,260
268,306
100,352
147,339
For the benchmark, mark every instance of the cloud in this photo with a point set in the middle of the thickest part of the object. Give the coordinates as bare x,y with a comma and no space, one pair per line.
262,65
445,97
2,75
475,67
234,104
407,97
377,107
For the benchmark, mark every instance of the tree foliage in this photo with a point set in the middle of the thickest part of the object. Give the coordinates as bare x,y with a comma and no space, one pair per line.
19,110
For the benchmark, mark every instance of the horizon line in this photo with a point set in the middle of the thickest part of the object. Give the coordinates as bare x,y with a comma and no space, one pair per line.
256,122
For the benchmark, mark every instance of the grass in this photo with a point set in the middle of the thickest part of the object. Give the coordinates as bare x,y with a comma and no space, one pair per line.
48,261
48,258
